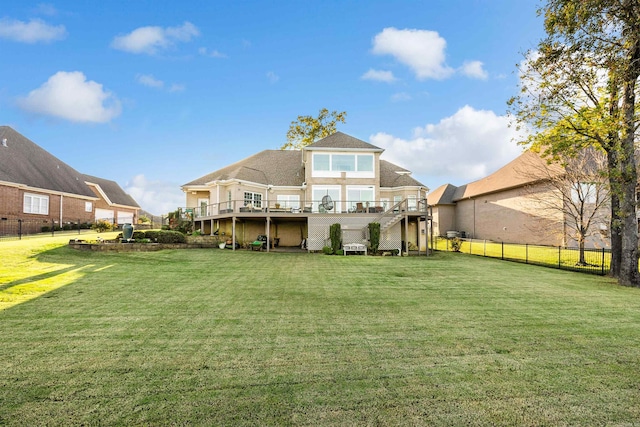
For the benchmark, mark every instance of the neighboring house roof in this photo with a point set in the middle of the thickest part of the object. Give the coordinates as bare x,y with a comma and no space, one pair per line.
394,176
442,195
268,167
525,169
24,162
342,140
114,193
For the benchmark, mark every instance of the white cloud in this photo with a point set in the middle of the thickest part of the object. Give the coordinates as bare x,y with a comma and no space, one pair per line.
149,80
151,40
214,53
34,31
379,75
421,50
68,95
176,87
156,197
273,77
400,96
474,70
468,146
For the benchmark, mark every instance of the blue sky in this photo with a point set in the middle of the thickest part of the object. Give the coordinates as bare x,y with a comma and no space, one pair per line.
153,94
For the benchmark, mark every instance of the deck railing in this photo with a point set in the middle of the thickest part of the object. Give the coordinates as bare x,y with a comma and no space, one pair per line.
379,207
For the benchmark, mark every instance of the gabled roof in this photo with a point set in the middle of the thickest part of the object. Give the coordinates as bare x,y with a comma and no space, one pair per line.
442,195
115,194
24,162
342,140
268,167
392,176
525,169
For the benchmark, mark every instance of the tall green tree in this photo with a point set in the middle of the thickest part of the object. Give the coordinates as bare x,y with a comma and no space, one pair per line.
580,90
308,129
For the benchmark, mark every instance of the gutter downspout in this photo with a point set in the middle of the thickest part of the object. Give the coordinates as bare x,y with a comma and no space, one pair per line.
61,203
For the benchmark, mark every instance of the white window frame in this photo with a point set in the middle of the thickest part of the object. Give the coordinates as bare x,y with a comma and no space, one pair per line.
360,188
203,207
287,201
334,172
35,204
88,206
319,191
254,199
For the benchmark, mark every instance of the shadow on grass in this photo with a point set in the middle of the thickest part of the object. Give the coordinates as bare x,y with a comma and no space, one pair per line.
38,284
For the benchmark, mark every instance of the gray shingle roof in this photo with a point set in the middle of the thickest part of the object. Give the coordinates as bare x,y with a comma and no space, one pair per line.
342,140
275,167
24,162
389,176
114,192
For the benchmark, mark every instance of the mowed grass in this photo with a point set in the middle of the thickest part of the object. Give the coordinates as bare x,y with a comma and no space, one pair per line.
213,337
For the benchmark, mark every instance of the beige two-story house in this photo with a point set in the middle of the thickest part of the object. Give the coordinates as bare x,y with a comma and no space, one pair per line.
293,196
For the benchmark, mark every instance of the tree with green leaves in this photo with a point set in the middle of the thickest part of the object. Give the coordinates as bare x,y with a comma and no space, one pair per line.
307,129
579,91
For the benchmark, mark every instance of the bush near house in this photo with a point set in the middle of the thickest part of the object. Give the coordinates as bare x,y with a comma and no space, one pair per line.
102,226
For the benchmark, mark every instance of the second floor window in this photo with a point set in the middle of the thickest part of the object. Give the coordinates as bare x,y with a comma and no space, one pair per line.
336,163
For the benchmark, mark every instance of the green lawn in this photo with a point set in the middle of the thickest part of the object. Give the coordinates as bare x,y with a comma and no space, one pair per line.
213,337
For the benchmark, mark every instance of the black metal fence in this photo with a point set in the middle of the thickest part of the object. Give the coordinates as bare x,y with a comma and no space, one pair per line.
593,261
12,229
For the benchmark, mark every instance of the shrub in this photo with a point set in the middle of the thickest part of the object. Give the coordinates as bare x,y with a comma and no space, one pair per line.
455,244
67,227
374,236
169,236
335,232
101,226
152,235
45,229
340,252
327,250
137,235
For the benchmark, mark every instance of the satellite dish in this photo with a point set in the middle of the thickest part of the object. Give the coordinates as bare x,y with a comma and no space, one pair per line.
327,203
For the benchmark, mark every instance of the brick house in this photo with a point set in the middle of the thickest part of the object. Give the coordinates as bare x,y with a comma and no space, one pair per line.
513,205
39,189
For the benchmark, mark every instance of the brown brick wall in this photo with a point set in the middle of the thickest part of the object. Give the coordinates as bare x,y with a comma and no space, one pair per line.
12,201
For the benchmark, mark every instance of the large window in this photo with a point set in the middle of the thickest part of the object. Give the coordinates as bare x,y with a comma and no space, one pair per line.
320,191
36,204
333,164
288,201
343,162
254,199
360,197
321,162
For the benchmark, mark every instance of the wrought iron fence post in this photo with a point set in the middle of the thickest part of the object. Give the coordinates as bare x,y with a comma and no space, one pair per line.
559,257
78,225
19,229
603,261
53,228
502,243
526,253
